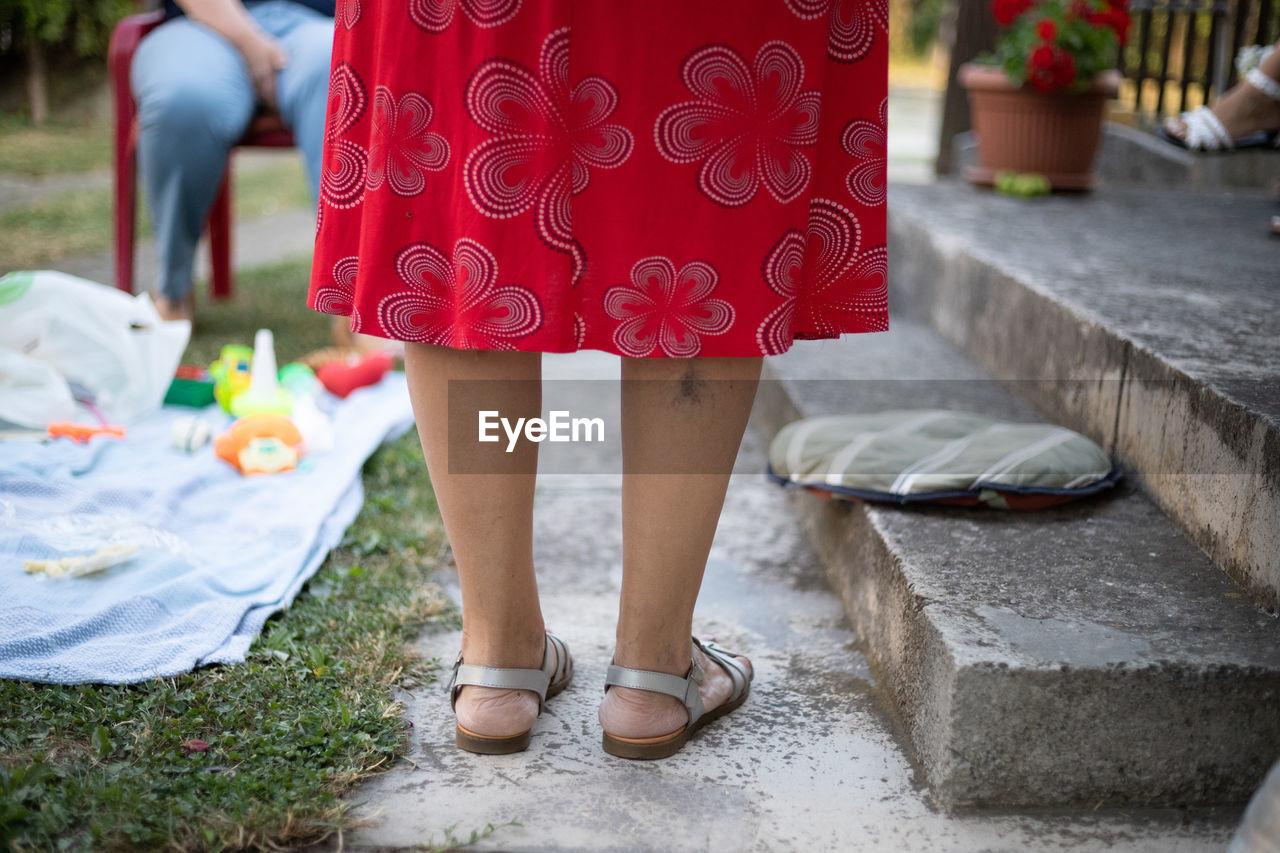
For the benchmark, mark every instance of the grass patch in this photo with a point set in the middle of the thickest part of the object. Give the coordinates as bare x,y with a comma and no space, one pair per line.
80,222
310,713
55,148
62,226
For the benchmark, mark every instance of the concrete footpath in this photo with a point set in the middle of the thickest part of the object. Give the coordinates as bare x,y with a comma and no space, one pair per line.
811,762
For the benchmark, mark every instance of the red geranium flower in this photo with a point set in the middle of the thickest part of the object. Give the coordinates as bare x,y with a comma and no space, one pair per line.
1065,69
1050,68
1007,11
1114,17
1058,44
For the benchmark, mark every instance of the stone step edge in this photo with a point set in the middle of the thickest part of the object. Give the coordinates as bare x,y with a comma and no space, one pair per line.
944,708
1123,396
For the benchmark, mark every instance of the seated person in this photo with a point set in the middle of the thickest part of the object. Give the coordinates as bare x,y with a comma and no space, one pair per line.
198,79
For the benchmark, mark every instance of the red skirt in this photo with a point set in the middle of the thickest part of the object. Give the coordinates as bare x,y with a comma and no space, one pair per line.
659,178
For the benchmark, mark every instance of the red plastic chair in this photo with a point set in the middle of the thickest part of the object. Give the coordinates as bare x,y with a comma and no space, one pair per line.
266,131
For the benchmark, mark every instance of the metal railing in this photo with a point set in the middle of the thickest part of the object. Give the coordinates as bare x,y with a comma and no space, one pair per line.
1181,52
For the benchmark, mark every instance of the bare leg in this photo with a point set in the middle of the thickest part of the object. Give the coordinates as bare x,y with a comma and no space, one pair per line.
180,308
678,416
488,516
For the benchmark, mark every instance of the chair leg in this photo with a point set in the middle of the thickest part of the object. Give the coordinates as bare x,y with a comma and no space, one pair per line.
220,238
126,197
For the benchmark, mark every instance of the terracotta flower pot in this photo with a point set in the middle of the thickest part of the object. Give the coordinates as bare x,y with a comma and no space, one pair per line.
1022,130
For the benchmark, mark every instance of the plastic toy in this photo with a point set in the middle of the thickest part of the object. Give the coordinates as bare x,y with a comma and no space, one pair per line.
315,425
260,444
300,380
231,373
191,386
189,434
343,377
264,395
81,433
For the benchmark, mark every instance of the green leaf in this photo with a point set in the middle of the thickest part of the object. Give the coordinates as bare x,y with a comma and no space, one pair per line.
102,742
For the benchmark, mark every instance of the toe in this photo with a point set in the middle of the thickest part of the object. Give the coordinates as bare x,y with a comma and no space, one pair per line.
1176,128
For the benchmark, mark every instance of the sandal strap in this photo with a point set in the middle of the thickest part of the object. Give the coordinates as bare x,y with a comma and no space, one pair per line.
1205,131
554,656
1263,83
685,689
738,671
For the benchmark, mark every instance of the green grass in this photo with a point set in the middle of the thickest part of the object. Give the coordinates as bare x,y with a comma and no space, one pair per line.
309,714
69,224
55,148
79,222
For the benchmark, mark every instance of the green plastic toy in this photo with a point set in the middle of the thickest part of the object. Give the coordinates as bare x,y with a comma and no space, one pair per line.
231,373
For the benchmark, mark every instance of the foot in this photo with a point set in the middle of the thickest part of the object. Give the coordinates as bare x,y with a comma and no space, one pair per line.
183,308
1243,111
494,712
503,712
630,713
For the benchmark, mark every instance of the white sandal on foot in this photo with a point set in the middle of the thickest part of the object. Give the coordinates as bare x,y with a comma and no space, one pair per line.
1204,131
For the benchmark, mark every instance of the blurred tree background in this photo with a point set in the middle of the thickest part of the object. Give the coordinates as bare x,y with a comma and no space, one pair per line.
923,22
44,39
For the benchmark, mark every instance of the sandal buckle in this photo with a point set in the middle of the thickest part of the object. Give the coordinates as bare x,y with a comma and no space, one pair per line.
453,677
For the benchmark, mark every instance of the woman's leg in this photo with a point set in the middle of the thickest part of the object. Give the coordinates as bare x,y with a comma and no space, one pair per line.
682,423
194,101
488,515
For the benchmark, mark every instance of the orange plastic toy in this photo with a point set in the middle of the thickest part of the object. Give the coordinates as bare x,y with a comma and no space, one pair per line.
81,433
260,444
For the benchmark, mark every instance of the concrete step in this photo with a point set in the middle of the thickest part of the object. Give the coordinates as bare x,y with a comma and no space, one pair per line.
1146,319
1079,656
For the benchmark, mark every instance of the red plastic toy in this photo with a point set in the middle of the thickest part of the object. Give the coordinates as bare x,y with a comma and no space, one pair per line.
340,378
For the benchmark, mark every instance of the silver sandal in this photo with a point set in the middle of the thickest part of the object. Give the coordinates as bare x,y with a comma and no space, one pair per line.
554,676
686,690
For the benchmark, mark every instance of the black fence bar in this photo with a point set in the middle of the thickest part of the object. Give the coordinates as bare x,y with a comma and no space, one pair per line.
1263,34
1211,60
1144,41
1164,62
1188,54
1237,39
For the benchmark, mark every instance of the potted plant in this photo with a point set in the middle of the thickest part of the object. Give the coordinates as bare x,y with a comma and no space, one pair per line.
1037,102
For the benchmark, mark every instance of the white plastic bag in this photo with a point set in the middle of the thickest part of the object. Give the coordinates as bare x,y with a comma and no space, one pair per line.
107,345
32,393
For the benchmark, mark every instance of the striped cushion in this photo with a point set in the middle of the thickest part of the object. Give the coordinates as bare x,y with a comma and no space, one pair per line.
904,456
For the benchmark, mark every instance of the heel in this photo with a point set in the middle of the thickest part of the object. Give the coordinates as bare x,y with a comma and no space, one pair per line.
686,690
553,677
484,745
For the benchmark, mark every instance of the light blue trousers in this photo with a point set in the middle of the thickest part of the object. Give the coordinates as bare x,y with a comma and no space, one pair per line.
195,100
